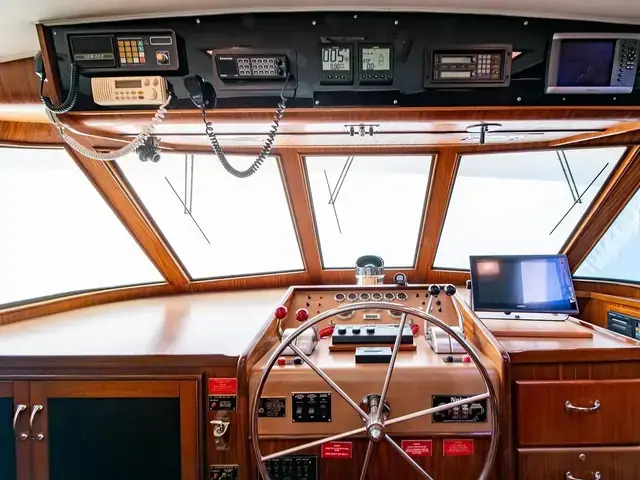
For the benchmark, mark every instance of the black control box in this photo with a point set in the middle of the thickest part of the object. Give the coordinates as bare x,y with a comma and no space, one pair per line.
623,324
370,334
373,354
311,407
295,467
137,52
475,412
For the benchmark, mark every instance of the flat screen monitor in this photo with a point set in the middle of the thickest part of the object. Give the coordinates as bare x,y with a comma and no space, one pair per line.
593,63
522,283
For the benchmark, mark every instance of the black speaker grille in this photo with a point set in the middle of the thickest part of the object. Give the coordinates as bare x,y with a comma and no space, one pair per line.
91,51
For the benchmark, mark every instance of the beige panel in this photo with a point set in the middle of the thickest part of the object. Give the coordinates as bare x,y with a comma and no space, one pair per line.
417,376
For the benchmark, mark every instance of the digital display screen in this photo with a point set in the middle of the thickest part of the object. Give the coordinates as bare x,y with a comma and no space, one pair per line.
454,74
336,59
448,60
525,283
376,59
586,63
128,84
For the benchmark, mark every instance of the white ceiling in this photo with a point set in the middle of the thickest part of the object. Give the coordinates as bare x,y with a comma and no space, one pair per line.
18,37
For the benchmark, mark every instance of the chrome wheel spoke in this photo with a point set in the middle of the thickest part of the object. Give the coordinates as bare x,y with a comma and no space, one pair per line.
392,362
313,444
367,457
407,457
439,408
330,382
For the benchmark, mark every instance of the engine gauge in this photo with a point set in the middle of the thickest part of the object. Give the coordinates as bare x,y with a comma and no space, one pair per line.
364,296
389,296
352,297
339,297
376,296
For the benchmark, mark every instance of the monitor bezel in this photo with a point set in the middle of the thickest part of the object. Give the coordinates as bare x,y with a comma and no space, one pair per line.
473,259
554,63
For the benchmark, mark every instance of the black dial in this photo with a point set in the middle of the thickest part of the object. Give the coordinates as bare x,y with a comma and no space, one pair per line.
434,290
449,290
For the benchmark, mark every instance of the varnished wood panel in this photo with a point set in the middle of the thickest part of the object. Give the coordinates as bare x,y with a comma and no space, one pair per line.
81,300
620,129
23,449
18,83
609,288
299,200
109,182
542,404
614,196
596,310
387,463
442,178
24,134
619,463
577,371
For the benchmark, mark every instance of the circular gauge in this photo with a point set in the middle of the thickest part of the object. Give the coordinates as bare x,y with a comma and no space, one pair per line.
402,296
389,296
352,297
339,297
376,296
346,315
395,313
364,296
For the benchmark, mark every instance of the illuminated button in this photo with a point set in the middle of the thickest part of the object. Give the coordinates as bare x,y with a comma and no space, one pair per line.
142,60
142,54
123,60
136,60
120,42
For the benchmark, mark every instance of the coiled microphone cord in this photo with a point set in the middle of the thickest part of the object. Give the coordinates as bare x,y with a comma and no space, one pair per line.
264,151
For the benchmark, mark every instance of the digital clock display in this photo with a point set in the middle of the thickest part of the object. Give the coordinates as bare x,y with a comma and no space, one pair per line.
336,59
375,59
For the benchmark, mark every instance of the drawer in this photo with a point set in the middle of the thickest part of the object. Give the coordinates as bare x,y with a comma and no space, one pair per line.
543,418
621,463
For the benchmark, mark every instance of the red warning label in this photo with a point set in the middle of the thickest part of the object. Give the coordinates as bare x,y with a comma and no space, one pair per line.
417,448
458,448
337,450
223,386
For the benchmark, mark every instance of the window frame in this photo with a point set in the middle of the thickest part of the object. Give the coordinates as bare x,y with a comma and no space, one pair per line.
372,152
461,152
258,275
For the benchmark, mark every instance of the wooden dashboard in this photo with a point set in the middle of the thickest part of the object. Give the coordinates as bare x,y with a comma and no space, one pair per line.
87,372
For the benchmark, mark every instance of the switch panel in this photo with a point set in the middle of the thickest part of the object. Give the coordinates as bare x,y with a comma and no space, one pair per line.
295,467
311,407
223,472
475,412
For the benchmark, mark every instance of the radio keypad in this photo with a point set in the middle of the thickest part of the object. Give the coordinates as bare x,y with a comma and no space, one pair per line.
131,52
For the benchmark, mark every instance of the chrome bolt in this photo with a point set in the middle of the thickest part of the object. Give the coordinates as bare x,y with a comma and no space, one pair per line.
396,22
313,22
395,102
355,16
197,20
582,457
519,99
526,22
317,102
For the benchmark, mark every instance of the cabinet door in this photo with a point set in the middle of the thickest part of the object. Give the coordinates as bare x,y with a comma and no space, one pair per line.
15,444
115,430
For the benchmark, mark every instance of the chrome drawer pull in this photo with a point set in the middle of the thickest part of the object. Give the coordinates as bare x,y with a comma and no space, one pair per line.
596,476
34,411
569,407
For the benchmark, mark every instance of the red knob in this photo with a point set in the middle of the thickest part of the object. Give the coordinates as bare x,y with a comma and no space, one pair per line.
282,361
466,359
281,312
302,315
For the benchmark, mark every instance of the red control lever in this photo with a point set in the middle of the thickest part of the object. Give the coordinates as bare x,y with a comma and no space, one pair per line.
414,328
327,331
302,315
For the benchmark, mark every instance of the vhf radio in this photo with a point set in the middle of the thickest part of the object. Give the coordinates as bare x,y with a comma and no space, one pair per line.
126,52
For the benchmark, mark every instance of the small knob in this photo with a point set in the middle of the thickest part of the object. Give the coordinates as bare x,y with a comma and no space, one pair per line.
355,330
450,290
281,312
371,330
162,58
434,290
466,359
154,94
282,361
448,359
146,82
342,331
297,361
302,315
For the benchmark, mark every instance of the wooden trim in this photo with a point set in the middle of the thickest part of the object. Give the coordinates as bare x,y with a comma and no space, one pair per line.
295,185
614,196
52,86
81,300
440,188
6,389
190,430
611,288
621,128
110,388
108,180
626,301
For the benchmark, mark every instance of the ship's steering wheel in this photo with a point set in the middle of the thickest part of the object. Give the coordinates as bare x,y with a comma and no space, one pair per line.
375,422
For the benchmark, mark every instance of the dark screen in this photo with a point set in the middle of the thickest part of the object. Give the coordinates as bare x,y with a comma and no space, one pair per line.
531,283
7,440
586,63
